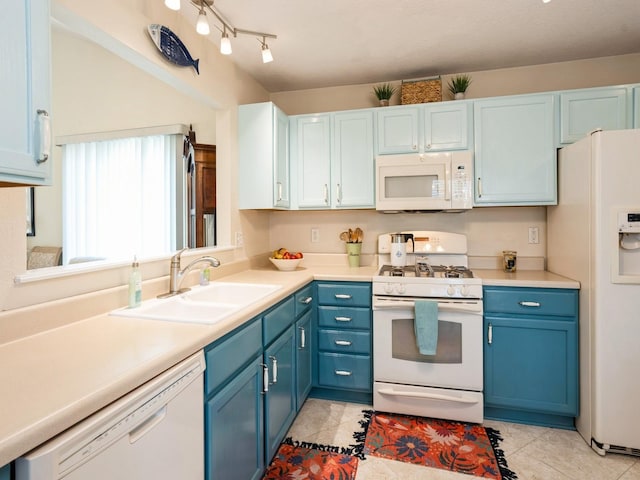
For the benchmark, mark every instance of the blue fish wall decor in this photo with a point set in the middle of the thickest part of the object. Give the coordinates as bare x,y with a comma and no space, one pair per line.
171,46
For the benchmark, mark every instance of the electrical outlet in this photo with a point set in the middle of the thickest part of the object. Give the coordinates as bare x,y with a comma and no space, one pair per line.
533,235
315,235
239,239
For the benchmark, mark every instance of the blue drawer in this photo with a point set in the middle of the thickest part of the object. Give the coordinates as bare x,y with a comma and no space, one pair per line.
345,294
344,317
276,320
303,300
224,359
344,371
344,341
531,301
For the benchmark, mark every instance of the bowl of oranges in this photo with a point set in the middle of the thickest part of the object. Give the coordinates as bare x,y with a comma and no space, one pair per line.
285,260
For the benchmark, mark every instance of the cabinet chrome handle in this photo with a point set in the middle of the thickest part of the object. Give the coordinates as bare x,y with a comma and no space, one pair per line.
265,378
279,184
274,367
479,187
343,343
339,194
529,304
414,147
343,296
306,300
303,338
490,334
44,124
343,373
428,146
343,319
326,194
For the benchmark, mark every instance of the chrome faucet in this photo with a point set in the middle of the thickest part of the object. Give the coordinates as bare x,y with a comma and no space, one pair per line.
176,275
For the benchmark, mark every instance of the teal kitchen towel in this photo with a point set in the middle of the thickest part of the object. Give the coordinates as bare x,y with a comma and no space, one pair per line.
426,326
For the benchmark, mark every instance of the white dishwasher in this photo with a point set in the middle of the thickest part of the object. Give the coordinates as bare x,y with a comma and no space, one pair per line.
156,431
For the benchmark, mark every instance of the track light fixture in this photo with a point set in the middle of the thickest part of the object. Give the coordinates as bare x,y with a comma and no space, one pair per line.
202,25
203,28
172,4
225,43
266,52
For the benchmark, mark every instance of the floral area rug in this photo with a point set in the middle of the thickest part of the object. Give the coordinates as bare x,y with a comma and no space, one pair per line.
455,446
296,462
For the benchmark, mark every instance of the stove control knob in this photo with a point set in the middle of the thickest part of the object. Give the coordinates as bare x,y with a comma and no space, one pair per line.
451,291
464,290
388,288
401,288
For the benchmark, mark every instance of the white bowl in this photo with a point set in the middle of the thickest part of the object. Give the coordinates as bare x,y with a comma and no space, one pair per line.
284,264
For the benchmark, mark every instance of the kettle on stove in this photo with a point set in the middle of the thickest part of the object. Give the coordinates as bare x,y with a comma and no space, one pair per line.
399,248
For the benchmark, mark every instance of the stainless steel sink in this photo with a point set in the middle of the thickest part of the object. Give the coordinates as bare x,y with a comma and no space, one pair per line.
206,305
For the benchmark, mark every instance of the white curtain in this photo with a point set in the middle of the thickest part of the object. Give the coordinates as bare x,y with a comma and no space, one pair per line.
118,197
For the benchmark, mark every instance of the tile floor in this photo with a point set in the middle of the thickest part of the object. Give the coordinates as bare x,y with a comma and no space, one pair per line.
533,453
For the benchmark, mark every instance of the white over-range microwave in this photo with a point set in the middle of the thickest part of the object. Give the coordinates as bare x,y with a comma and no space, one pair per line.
424,181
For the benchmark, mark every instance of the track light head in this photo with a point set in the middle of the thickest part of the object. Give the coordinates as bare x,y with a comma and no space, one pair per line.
202,25
225,44
266,52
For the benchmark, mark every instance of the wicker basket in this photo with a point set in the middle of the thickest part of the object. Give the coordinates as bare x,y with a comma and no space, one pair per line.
421,91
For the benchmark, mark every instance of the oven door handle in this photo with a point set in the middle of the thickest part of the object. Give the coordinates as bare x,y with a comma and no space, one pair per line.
432,396
471,308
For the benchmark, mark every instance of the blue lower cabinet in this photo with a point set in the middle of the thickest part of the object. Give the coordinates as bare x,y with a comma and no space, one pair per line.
5,472
343,367
280,399
234,427
531,355
304,358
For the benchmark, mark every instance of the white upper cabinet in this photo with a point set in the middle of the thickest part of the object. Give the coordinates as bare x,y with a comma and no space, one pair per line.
25,93
515,155
352,162
430,127
263,157
582,111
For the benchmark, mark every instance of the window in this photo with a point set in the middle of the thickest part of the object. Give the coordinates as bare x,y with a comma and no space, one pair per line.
119,197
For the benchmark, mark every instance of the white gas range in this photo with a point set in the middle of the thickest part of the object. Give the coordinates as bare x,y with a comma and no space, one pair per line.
446,384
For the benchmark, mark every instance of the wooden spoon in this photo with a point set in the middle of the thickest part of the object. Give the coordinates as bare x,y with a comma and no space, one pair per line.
359,235
344,236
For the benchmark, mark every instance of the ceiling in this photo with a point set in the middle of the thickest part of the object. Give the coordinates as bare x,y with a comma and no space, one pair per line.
340,42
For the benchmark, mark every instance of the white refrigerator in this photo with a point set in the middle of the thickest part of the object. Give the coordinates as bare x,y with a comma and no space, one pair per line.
593,236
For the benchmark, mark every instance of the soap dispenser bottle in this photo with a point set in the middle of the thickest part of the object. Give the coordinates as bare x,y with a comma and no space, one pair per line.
135,285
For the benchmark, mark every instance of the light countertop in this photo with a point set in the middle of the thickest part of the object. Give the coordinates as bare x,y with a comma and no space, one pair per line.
58,377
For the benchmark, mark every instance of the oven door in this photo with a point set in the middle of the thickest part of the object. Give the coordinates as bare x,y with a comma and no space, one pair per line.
445,385
413,182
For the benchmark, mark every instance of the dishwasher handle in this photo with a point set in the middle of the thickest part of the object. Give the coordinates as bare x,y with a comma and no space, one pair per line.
148,425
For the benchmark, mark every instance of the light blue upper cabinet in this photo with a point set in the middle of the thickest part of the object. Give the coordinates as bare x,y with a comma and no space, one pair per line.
263,157
25,93
430,127
352,161
447,126
311,160
515,156
397,129
636,107
332,160
582,111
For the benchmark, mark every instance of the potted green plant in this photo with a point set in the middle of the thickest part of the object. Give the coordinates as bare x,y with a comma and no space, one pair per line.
458,85
384,92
